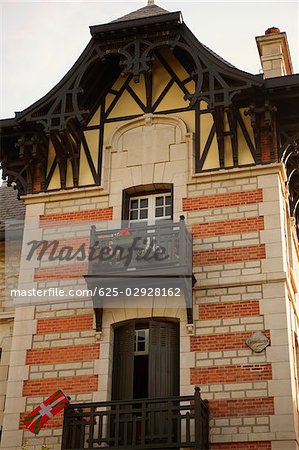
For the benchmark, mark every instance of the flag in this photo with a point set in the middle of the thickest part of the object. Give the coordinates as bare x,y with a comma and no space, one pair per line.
45,411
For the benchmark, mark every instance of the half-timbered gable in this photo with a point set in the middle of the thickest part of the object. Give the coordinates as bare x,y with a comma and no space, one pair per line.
149,63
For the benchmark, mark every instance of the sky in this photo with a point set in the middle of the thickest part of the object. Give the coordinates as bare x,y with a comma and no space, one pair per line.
41,40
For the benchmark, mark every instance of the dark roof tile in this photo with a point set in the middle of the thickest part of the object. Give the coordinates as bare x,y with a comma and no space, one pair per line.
146,11
11,209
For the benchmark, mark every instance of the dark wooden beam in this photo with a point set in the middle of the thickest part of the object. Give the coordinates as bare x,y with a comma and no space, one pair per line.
219,127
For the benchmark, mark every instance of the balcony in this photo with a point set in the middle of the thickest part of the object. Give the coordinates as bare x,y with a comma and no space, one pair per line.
165,423
142,251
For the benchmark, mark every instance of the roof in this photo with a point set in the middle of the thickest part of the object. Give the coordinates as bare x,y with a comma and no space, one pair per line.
218,56
153,10
11,208
108,33
147,11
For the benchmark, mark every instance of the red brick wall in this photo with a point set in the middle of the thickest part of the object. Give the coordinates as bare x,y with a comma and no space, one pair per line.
37,180
218,368
64,271
75,243
229,309
221,200
62,354
220,341
72,385
51,220
47,386
200,258
229,255
62,324
265,142
228,227
231,374
242,407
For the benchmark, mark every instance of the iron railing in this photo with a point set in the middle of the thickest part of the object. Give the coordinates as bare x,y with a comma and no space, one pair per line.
165,423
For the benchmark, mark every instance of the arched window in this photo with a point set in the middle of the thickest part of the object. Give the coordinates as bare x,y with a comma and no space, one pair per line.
149,202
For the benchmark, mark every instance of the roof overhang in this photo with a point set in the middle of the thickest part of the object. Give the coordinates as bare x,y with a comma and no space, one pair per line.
133,25
287,81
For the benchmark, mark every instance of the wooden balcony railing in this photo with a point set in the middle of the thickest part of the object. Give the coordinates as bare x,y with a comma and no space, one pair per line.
165,423
143,250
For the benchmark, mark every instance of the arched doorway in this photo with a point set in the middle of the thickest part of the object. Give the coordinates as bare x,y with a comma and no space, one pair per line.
146,360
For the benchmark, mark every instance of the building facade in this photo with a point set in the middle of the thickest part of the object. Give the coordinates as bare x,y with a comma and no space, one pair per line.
12,212
150,124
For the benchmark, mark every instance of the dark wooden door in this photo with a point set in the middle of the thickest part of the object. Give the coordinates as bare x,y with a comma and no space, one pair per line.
163,378
119,428
163,359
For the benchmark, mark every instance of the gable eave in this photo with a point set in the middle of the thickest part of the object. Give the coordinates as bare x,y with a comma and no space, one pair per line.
7,123
96,31
113,27
118,30
19,116
286,81
228,68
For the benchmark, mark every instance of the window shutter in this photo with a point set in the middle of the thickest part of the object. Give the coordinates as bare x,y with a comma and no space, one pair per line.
163,359
123,365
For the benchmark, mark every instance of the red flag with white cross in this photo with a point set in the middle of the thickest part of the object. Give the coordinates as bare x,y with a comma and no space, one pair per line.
45,411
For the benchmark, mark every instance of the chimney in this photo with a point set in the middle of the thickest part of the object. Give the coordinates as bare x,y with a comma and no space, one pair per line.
274,52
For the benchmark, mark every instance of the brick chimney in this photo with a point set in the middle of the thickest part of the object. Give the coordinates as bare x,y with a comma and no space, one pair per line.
274,52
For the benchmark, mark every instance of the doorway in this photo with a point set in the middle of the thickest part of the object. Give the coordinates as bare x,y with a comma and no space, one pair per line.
146,360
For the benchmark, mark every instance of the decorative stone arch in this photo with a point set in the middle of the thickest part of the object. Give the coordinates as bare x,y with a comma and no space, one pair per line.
151,149
150,120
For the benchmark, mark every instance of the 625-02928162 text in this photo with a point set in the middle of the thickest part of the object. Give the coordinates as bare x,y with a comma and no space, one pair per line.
100,291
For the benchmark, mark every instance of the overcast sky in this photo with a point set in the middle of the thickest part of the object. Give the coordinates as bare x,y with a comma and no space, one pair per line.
41,40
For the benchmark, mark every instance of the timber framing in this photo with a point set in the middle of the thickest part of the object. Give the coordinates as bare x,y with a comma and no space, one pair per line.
131,49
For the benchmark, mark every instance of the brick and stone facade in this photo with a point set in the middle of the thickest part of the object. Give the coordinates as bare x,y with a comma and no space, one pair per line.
242,286
246,265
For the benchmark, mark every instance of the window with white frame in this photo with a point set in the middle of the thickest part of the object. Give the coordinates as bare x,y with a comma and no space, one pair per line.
150,207
141,342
